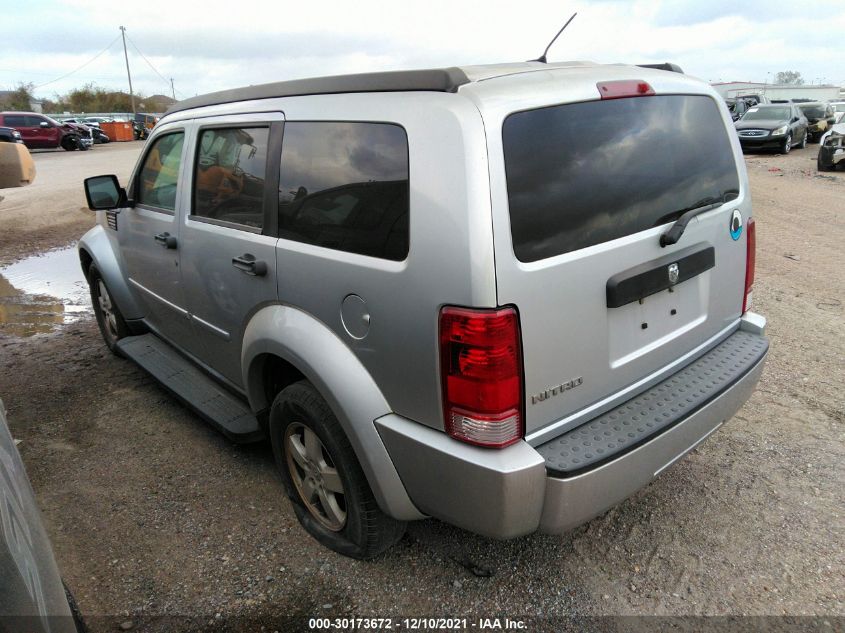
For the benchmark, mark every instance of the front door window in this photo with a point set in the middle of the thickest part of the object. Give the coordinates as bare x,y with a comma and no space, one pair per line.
157,184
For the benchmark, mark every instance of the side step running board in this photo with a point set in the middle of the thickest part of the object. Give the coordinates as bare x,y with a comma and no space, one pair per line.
230,415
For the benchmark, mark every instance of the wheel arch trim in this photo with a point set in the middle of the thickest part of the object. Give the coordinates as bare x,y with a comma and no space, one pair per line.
97,245
353,396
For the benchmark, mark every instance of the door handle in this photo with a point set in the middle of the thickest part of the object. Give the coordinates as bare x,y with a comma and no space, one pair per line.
248,264
166,240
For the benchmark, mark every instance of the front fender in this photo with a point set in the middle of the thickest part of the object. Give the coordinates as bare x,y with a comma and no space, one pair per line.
101,247
326,361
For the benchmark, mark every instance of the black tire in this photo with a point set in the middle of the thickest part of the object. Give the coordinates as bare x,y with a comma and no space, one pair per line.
365,531
787,144
75,612
821,166
112,326
68,144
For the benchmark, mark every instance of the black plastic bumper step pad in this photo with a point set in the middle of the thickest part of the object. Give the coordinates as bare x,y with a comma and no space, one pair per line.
191,385
664,405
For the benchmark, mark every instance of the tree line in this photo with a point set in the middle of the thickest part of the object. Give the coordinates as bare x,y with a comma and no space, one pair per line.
88,98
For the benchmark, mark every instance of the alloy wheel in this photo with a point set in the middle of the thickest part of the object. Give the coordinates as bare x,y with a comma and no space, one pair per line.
315,476
107,308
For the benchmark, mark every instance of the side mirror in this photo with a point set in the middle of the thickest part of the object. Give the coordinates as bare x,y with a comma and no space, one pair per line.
17,168
794,119
104,193
44,124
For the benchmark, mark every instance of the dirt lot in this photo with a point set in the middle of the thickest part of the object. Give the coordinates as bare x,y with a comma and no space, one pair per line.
152,513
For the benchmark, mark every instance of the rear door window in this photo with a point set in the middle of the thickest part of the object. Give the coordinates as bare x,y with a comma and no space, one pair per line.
585,173
15,120
345,186
229,176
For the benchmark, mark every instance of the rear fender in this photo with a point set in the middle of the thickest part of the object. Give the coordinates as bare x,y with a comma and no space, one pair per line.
326,361
100,247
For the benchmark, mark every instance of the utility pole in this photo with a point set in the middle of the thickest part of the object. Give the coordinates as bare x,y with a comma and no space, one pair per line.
172,89
128,74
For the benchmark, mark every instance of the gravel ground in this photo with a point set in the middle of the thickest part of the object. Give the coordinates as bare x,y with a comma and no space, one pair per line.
154,514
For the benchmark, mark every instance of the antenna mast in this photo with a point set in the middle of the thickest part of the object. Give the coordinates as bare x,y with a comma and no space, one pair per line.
542,58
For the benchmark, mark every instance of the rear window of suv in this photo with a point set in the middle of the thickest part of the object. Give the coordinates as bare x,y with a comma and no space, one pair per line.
585,173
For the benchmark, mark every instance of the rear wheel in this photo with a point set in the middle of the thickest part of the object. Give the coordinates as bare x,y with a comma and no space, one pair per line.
323,479
787,144
109,319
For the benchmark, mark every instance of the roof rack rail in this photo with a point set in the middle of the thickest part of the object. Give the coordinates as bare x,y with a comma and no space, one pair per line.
673,68
432,80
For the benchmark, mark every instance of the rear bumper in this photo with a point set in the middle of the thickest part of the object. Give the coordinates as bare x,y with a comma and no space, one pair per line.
511,492
573,501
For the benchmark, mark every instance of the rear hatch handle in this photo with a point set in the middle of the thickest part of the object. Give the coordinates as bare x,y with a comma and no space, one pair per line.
677,229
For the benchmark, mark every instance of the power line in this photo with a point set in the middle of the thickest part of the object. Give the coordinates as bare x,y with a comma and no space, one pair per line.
81,67
149,63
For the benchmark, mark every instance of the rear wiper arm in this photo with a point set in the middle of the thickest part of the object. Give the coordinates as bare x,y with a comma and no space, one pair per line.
677,229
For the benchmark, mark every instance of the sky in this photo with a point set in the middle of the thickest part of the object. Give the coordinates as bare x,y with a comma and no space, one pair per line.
211,45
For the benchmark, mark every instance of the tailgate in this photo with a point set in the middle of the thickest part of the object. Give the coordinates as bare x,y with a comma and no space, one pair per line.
586,191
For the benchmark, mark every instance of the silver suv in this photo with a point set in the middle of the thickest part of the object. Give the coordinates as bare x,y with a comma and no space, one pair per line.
503,296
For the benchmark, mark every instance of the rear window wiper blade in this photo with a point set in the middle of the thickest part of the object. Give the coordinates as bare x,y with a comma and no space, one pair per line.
705,204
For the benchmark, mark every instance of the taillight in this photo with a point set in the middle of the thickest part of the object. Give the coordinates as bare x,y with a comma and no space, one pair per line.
624,88
481,373
750,262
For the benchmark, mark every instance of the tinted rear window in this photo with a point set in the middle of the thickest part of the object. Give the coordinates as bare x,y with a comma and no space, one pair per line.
584,173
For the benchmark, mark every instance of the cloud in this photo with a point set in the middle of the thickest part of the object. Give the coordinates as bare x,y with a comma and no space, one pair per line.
227,44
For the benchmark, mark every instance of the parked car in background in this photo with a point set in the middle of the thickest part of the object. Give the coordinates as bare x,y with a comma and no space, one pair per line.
144,123
772,126
41,132
737,107
838,111
98,135
10,135
74,120
820,117
832,148
86,136
279,260
140,131
96,120
753,99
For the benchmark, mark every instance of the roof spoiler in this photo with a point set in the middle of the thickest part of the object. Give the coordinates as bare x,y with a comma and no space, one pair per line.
672,68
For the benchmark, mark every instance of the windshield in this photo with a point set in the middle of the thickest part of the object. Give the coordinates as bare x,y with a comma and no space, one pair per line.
813,111
759,114
585,173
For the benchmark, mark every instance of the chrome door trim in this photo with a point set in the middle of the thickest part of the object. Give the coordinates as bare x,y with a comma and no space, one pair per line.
159,298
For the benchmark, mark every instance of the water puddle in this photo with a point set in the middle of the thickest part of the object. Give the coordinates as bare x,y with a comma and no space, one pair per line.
43,292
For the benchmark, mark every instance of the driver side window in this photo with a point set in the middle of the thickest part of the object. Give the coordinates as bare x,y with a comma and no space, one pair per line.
159,175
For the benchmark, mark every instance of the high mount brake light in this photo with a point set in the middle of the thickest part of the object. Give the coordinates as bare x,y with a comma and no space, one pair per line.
481,373
624,88
750,262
